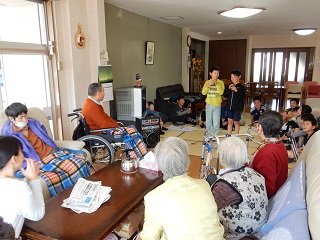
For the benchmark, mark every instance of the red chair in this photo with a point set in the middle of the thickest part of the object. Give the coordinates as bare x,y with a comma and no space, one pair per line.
306,85
313,91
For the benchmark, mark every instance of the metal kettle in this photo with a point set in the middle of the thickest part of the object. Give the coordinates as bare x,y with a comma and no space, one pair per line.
128,164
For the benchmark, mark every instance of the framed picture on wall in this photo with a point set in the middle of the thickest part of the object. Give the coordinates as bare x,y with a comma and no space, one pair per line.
149,53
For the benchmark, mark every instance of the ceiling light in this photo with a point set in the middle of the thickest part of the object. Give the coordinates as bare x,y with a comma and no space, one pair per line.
219,33
172,18
240,12
304,31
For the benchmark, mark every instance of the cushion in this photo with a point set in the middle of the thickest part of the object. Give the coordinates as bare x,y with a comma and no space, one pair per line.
290,228
289,198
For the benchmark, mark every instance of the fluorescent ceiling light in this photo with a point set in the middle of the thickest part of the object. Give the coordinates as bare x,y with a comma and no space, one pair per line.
240,12
172,18
304,31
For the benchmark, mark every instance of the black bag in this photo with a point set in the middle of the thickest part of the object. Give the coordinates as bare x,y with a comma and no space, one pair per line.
79,131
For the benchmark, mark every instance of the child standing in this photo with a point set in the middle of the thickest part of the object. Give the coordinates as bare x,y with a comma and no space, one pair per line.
235,101
214,89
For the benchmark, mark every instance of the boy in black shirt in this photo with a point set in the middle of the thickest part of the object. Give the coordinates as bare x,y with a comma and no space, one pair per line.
235,101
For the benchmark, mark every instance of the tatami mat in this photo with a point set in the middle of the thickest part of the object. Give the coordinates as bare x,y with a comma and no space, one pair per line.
171,133
195,138
196,135
195,147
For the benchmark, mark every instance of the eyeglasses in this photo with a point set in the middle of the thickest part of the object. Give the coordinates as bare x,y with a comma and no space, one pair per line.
21,117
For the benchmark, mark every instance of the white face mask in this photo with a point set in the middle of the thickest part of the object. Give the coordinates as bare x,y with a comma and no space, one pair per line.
20,124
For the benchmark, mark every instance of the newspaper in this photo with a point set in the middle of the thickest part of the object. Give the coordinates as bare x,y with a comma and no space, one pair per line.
87,196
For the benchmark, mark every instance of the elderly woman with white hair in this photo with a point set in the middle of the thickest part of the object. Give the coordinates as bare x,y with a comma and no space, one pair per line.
182,207
239,191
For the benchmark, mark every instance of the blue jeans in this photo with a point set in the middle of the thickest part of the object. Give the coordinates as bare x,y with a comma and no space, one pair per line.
213,118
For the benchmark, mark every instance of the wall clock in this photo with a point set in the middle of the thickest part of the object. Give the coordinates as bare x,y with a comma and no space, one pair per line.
189,41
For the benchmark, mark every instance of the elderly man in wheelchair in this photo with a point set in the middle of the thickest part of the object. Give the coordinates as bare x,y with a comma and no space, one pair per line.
101,126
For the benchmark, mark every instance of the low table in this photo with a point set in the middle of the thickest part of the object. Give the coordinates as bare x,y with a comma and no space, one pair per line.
127,193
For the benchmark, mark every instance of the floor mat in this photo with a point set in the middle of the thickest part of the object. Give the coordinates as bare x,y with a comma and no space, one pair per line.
194,135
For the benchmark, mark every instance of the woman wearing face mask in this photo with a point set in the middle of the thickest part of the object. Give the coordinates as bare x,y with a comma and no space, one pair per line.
38,145
19,199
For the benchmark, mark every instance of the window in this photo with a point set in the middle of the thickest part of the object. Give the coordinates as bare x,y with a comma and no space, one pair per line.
24,60
22,21
279,65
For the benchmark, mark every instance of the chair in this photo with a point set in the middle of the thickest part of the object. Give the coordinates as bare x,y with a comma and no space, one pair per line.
314,103
286,83
313,91
294,91
251,92
38,114
268,93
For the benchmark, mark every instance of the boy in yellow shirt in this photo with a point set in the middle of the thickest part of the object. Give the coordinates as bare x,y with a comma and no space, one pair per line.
214,89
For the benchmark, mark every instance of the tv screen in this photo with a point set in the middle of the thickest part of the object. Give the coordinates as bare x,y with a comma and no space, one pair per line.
105,74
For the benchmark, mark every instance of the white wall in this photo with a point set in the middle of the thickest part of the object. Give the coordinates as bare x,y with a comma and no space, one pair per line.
80,66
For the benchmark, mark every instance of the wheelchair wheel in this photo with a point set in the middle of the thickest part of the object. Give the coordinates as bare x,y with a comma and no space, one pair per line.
100,149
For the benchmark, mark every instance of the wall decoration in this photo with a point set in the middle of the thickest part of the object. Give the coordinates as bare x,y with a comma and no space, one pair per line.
80,39
149,53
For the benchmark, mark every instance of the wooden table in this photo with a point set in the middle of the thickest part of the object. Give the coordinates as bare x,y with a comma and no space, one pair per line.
127,193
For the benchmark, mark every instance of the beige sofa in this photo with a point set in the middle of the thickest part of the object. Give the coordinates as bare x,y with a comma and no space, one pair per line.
311,155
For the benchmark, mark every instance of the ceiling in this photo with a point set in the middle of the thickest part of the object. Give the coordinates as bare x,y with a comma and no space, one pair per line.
201,16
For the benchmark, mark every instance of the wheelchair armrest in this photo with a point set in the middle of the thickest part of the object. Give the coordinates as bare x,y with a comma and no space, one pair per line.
76,145
105,129
120,124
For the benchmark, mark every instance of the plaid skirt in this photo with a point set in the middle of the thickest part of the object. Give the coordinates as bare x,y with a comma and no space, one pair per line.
63,168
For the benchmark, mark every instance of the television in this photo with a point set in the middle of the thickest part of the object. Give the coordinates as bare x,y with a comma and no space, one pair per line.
105,74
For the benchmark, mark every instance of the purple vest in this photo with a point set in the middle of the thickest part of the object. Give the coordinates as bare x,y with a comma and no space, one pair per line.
27,149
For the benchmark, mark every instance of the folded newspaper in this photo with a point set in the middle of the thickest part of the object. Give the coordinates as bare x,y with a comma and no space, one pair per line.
87,196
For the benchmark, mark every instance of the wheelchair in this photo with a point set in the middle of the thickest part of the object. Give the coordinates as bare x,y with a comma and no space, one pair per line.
96,143
292,144
211,143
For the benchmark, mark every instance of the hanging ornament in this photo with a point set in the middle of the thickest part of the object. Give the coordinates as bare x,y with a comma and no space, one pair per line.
80,39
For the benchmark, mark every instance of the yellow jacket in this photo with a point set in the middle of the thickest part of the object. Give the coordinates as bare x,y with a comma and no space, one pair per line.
213,93
182,208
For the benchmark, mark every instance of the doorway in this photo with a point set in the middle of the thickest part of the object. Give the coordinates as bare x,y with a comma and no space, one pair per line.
196,70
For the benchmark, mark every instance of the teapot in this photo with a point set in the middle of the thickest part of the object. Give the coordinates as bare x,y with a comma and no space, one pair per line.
128,164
